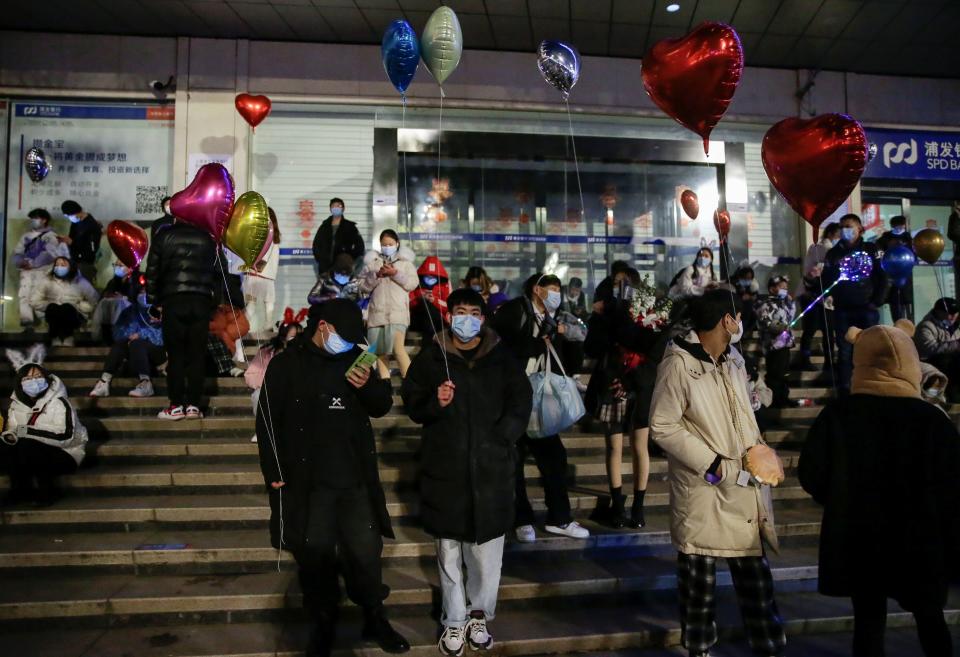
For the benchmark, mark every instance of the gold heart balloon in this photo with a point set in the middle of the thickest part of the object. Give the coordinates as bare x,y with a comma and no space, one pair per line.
249,228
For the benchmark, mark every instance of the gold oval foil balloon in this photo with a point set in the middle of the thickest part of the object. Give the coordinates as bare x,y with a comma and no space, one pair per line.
928,244
249,227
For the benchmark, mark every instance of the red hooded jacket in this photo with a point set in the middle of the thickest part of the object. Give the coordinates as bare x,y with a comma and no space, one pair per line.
432,267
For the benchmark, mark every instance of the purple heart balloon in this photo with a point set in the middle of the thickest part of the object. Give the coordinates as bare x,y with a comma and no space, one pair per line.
208,201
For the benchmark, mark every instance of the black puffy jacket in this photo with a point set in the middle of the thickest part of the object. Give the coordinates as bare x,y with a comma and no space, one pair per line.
467,459
183,260
854,295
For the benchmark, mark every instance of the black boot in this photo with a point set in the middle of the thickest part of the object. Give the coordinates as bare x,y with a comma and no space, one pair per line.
636,510
618,515
322,635
377,628
21,490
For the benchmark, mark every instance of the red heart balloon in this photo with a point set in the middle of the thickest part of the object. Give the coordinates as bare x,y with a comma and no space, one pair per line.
128,241
208,201
693,79
690,203
815,163
721,221
253,109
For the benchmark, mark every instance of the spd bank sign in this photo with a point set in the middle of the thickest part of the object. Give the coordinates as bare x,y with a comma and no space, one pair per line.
916,155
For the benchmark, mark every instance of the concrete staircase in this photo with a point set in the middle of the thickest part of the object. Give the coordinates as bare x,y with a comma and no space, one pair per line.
160,546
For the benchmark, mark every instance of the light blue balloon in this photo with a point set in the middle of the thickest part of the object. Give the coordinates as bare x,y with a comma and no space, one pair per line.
559,64
400,51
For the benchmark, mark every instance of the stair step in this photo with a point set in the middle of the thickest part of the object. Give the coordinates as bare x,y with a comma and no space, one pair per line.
517,632
411,582
173,547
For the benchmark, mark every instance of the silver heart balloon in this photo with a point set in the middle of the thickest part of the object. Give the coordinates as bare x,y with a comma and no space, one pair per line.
871,152
35,162
559,64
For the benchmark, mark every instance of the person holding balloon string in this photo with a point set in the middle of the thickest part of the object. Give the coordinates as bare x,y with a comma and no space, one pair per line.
856,302
388,277
899,298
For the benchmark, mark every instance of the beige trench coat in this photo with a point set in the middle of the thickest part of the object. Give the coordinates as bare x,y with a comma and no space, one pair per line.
691,419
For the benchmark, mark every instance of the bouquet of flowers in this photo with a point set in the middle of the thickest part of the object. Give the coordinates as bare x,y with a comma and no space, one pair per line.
647,309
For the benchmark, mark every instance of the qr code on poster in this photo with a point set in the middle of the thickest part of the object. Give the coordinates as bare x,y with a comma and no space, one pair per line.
149,197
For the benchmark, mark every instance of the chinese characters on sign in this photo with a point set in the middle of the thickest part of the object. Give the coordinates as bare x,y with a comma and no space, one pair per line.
915,155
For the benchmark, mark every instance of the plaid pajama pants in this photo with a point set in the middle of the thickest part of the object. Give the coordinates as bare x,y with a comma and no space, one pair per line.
220,354
696,582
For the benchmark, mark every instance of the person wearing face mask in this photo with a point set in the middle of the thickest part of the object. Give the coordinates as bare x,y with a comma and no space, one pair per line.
138,342
696,279
899,298
42,438
478,280
745,283
336,235
774,314
855,302
339,283
389,277
163,222
428,301
471,418
66,299
33,256
526,324
119,292
818,318
884,456
575,300
288,330
84,238
319,464
938,340
719,473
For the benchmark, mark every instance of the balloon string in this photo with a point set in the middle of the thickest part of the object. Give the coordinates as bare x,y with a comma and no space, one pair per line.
576,166
406,196
266,395
436,240
826,332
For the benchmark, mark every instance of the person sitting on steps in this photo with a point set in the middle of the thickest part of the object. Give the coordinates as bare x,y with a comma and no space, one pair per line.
138,340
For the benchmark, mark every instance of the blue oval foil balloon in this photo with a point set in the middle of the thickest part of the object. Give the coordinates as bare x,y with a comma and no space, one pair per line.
400,51
559,63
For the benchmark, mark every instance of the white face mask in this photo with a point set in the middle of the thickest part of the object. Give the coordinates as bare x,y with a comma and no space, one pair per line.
735,337
36,224
933,393
388,251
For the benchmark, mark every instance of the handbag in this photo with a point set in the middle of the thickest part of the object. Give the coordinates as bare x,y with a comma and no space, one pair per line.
557,404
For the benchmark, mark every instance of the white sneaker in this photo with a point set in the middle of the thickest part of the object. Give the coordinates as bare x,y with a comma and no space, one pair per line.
254,439
236,371
172,413
67,342
526,534
193,413
477,635
143,389
572,530
451,641
101,389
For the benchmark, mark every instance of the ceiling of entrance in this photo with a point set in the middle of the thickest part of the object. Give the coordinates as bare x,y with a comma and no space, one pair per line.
909,37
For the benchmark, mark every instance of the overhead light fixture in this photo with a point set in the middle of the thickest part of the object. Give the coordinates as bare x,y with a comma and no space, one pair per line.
673,7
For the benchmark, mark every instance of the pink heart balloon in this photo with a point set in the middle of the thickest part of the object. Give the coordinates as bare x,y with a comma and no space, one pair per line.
208,201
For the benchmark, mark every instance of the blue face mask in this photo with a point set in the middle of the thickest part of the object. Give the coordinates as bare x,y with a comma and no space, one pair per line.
744,282
704,262
341,279
782,293
552,302
465,327
477,288
429,281
142,300
849,234
336,212
61,271
34,387
74,219
946,324
120,271
389,251
334,344
899,230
